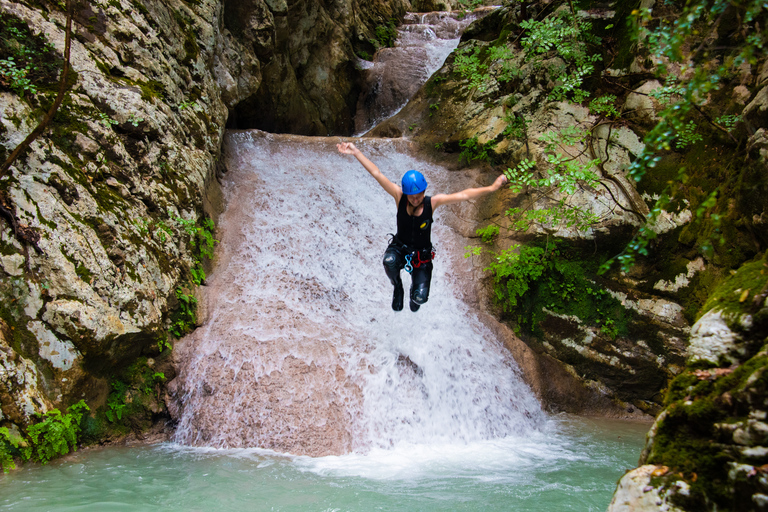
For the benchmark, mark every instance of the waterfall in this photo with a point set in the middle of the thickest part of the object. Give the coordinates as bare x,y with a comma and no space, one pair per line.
422,45
302,352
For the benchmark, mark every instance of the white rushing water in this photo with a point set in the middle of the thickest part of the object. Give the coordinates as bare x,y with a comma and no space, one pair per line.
424,41
302,352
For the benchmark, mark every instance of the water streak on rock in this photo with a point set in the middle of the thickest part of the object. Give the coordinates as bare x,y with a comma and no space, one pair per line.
423,43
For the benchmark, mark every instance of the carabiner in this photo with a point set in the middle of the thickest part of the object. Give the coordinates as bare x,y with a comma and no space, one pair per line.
408,266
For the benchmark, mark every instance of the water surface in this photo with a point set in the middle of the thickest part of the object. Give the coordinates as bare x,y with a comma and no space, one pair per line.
572,464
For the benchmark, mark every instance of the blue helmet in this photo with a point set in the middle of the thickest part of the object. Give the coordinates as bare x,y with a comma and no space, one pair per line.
414,183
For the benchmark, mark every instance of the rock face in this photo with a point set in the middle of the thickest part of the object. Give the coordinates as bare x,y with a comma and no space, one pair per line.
622,335
708,449
294,61
109,202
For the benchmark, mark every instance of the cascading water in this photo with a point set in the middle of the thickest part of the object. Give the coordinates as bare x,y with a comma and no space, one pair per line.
302,352
423,43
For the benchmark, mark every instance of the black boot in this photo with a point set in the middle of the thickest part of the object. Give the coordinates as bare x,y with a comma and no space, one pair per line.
397,297
414,307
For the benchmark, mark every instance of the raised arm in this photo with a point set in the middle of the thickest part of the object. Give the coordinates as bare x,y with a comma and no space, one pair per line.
468,194
347,148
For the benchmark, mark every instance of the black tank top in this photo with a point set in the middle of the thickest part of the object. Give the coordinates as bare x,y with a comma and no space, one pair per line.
415,231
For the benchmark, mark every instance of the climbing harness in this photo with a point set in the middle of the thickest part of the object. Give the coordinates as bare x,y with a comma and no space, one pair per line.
410,264
413,259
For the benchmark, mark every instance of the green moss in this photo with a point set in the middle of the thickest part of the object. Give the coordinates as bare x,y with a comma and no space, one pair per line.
735,294
140,7
152,89
191,49
15,291
83,273
687,440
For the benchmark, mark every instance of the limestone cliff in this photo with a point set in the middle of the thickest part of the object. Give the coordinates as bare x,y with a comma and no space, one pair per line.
103,234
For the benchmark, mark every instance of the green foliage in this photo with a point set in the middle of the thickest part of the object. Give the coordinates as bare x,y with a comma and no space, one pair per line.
10,445
200,237
385,35
522,176
17,77
467,64
677,41
488,233
135,121
184,105
470,4
507,71
570,38
56,433
604,105
728,121
116,401
531,280
27,61
513,271
563,174
164,344
475,150
183,318
105,119
517,127
433,108
688,135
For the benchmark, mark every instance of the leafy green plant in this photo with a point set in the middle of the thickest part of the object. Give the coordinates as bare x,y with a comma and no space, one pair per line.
670,42
105,119
688,135
189,104
56,433
184,318
27,60
10,444
513,271
433,108
569,36
142,225
728,121
475,150
164,344
116,401
604,105
488,233
385,35
16,77
517,127
135,121
564,174
467,64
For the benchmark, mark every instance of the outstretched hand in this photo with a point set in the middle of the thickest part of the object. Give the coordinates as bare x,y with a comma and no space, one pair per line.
346,148
500,182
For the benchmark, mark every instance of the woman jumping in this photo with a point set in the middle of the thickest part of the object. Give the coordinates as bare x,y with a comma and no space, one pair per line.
411,247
